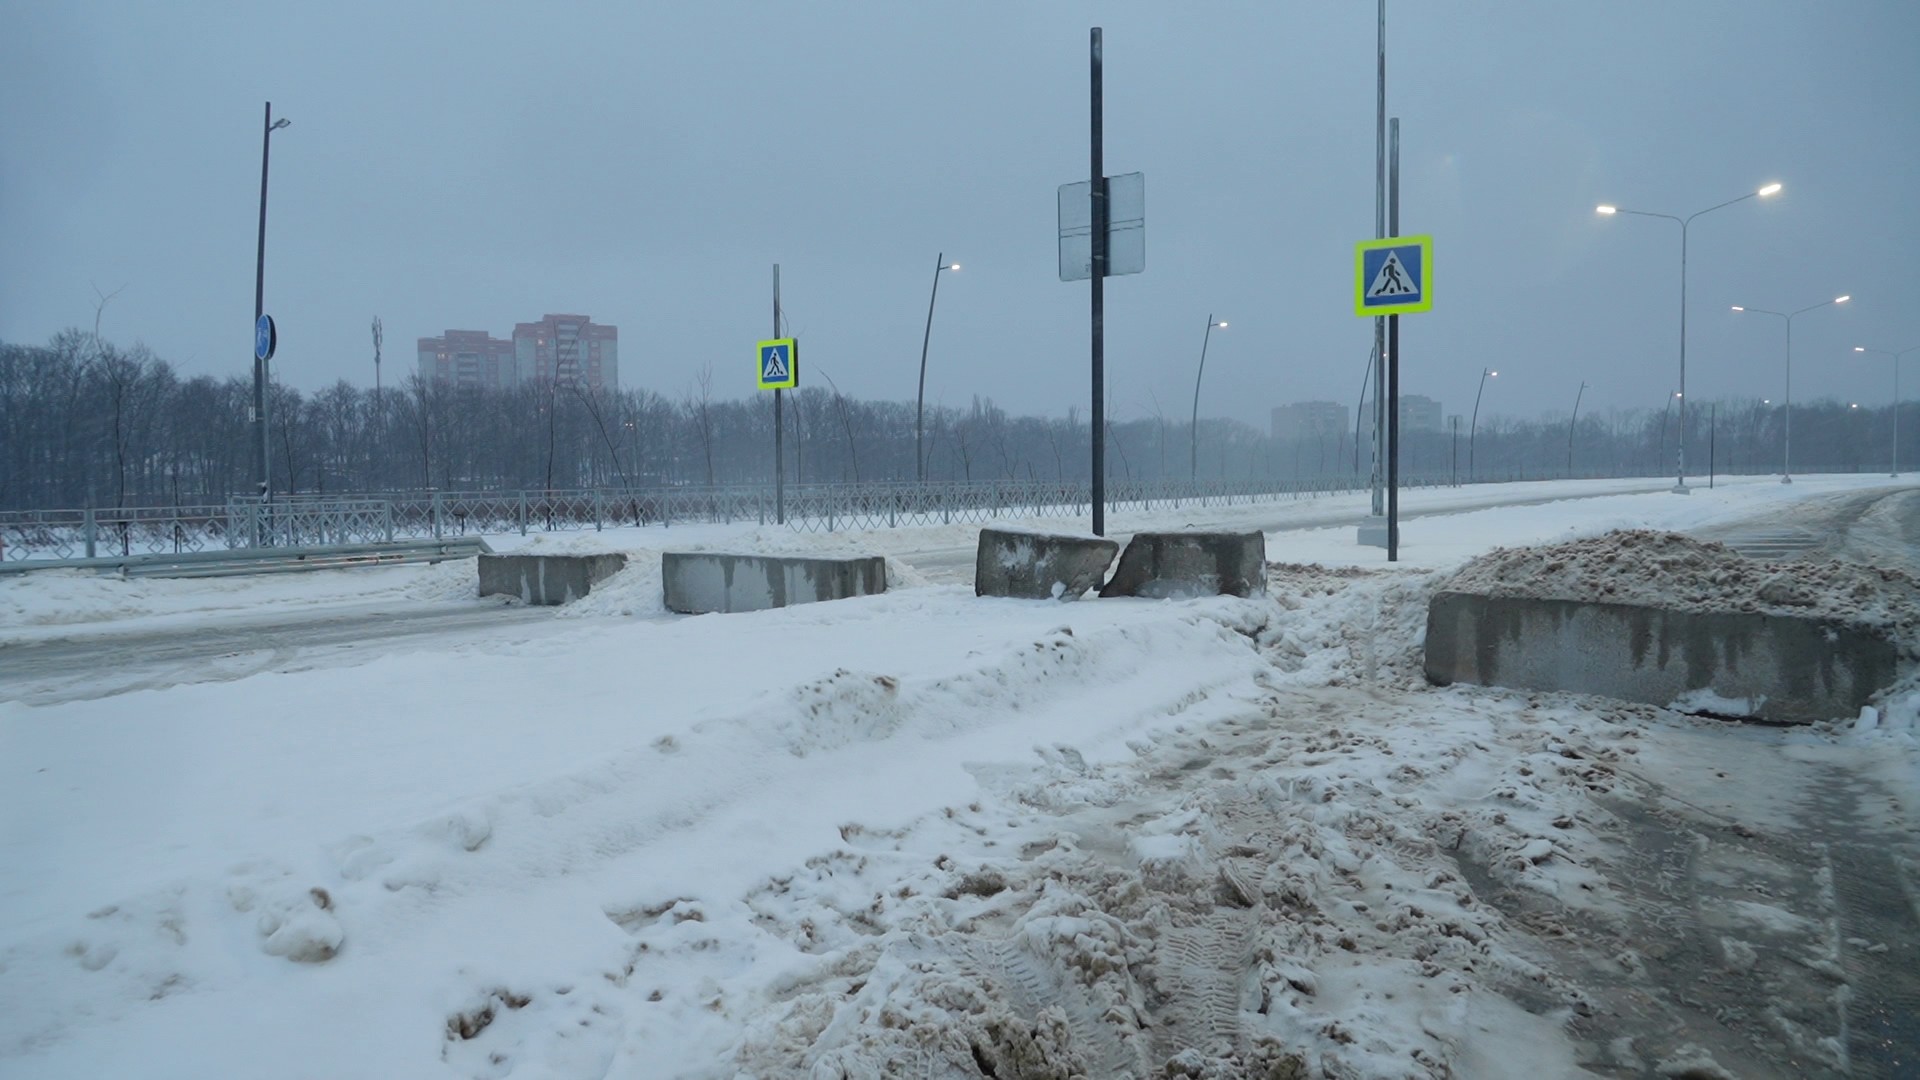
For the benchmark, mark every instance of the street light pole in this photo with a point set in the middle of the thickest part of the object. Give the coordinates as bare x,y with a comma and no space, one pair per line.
1786,454
919,460
1570,424
1895,357
1475,424
1680,472
1454,478
1193,426
260,456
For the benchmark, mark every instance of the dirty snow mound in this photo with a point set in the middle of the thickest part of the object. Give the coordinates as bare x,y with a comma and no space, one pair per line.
1679,573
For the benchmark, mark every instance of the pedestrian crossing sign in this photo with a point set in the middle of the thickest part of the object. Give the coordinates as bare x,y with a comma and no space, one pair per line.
779,366
1393,276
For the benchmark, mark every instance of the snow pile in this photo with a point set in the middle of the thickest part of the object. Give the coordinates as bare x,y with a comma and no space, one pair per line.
917,834
1281,893
472,870
1679,573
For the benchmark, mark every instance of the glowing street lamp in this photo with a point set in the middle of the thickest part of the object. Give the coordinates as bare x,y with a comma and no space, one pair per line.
920,401
1193,427
1895,357
1786,456
1485,374
1680,482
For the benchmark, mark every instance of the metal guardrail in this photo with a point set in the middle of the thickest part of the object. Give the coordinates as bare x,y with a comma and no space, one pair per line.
233,563
287,522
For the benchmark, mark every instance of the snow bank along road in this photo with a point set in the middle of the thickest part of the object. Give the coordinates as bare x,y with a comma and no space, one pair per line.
91,638
924,834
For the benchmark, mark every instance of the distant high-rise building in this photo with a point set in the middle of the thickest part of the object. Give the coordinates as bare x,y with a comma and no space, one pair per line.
469,360
568,350
1309,420
1417,413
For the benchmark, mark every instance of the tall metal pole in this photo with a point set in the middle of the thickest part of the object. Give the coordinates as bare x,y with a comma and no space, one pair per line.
378,465
1786,450
1666,413
1379,232
1099,185
1680,480
1393,369
1570,426
1193,427
1474,425
779,422
260,455
1360,412
1895,358
919,459
1680,473
1786,453
1456,449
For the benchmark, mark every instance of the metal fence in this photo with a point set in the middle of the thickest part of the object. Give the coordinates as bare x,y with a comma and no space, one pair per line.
306,520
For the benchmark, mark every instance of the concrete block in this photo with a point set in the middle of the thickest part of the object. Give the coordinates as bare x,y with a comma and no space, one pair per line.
546,579
1180,565
698,582
1780,668
1372,532
1040,566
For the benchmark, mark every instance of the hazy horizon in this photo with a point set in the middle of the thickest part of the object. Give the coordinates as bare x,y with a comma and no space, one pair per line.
459,168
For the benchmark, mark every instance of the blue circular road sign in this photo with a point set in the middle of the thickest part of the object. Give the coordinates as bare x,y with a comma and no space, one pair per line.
265,338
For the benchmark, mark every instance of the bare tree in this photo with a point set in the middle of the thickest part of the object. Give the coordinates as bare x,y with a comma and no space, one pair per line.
853,449
705,381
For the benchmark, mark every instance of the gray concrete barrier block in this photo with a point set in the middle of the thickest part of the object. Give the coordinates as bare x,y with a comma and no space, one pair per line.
546,579
1780,668
1040,566
697,583
1180,565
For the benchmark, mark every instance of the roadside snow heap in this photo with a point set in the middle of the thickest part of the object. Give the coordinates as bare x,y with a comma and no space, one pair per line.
1668,620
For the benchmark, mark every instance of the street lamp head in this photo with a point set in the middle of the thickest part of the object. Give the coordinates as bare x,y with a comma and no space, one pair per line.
1222,324
280,123
1737,307
1841,299
1770,189
1604,209
1859,348
951,266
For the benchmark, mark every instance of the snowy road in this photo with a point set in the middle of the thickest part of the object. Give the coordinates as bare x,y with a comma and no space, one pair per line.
1879,526
926,834
90,660
102,663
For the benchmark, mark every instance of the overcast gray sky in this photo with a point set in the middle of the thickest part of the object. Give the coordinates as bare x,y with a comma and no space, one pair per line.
470,165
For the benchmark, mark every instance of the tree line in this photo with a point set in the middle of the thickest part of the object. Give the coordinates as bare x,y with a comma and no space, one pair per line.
85,422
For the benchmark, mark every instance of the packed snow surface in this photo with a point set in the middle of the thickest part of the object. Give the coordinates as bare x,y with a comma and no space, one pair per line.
924,834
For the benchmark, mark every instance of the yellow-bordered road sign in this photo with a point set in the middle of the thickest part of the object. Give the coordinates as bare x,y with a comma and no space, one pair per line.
778,364
1393,276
